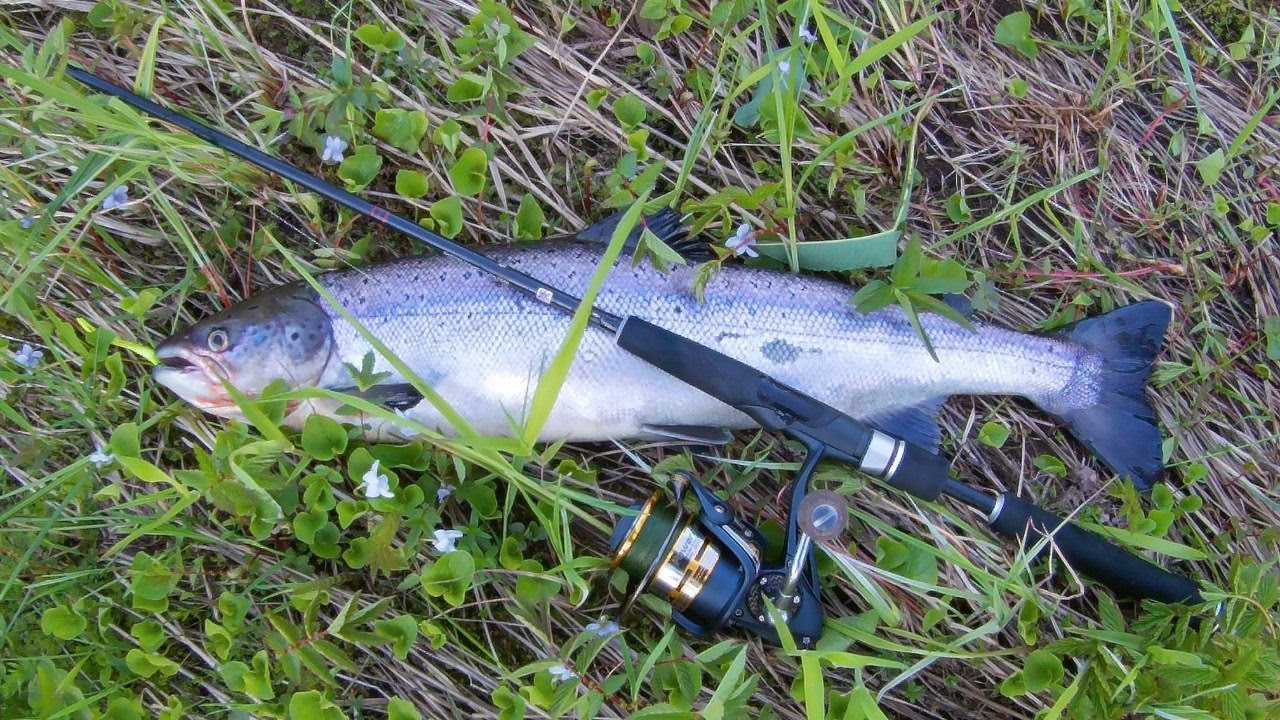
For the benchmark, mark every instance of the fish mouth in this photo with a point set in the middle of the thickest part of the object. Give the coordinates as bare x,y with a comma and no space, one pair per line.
178,362
192,377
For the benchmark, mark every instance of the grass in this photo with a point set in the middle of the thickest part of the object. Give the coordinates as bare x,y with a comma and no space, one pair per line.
1063,166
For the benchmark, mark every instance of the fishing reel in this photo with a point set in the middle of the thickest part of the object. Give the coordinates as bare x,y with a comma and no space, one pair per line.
709,564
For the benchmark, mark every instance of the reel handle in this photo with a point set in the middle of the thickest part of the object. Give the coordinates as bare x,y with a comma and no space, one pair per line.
1124,572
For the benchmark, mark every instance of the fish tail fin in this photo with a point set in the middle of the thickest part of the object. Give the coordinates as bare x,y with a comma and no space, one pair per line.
1120,427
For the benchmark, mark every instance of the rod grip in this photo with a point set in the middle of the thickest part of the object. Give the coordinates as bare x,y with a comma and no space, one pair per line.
1127,575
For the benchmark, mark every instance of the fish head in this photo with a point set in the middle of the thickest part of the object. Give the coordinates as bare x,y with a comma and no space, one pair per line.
283,334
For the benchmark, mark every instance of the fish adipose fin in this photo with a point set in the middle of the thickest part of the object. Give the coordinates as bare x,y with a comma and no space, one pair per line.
1120,428
917,424
668,225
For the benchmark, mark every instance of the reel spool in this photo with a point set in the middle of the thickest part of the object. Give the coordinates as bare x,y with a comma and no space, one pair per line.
707,562
699,561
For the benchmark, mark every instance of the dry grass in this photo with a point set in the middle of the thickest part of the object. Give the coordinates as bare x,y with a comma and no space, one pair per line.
1146,226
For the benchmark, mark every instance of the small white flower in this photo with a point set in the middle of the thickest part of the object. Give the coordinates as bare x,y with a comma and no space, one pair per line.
742,241
28,221
116,198
446,540
27,356
603,629
560,673
376,485
100,457
444,492
784,67
334,146
807,35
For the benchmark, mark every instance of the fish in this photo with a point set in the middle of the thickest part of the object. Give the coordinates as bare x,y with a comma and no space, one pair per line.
482,345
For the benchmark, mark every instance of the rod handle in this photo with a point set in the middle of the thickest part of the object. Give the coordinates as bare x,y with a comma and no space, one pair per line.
1127,575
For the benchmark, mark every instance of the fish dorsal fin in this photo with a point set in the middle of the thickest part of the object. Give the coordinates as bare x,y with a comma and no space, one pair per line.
917,424
697,434
667,224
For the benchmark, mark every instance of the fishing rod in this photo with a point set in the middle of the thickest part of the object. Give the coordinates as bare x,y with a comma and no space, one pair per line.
707,563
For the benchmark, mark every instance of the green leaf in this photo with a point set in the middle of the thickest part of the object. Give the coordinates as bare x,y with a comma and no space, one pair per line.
139,305
467,87
715,709
403,129
957,209
306,524
447,214
1051,465
124,441
323,437
411,184
146,664
401,709
217,640
62,622
1211,166
149,634
529,219
1160,545
1041,670
379,38
510,704
1271,329
101,14
1015,31
450,576
877,250
401,631
862,706
151,581
311,705
360,168
993,434
629,110
469,172
448,134
1164,656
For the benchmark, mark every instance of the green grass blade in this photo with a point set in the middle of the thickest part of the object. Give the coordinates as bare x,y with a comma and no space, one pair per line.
544,397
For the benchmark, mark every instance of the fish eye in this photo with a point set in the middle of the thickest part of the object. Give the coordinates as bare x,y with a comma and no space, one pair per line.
218,340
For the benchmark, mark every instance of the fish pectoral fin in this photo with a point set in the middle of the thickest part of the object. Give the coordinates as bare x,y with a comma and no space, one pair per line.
668,225
960,304
700,434
395,396
917,424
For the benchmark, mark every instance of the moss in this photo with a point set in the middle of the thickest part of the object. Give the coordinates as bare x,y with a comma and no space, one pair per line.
1224,18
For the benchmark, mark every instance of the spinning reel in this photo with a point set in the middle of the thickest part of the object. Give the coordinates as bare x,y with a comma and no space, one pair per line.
709,564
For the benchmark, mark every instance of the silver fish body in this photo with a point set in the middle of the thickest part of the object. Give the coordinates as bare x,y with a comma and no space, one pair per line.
483,347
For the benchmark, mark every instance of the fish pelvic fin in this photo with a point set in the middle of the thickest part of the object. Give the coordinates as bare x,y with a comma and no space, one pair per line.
917,424
667,224
1120,428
